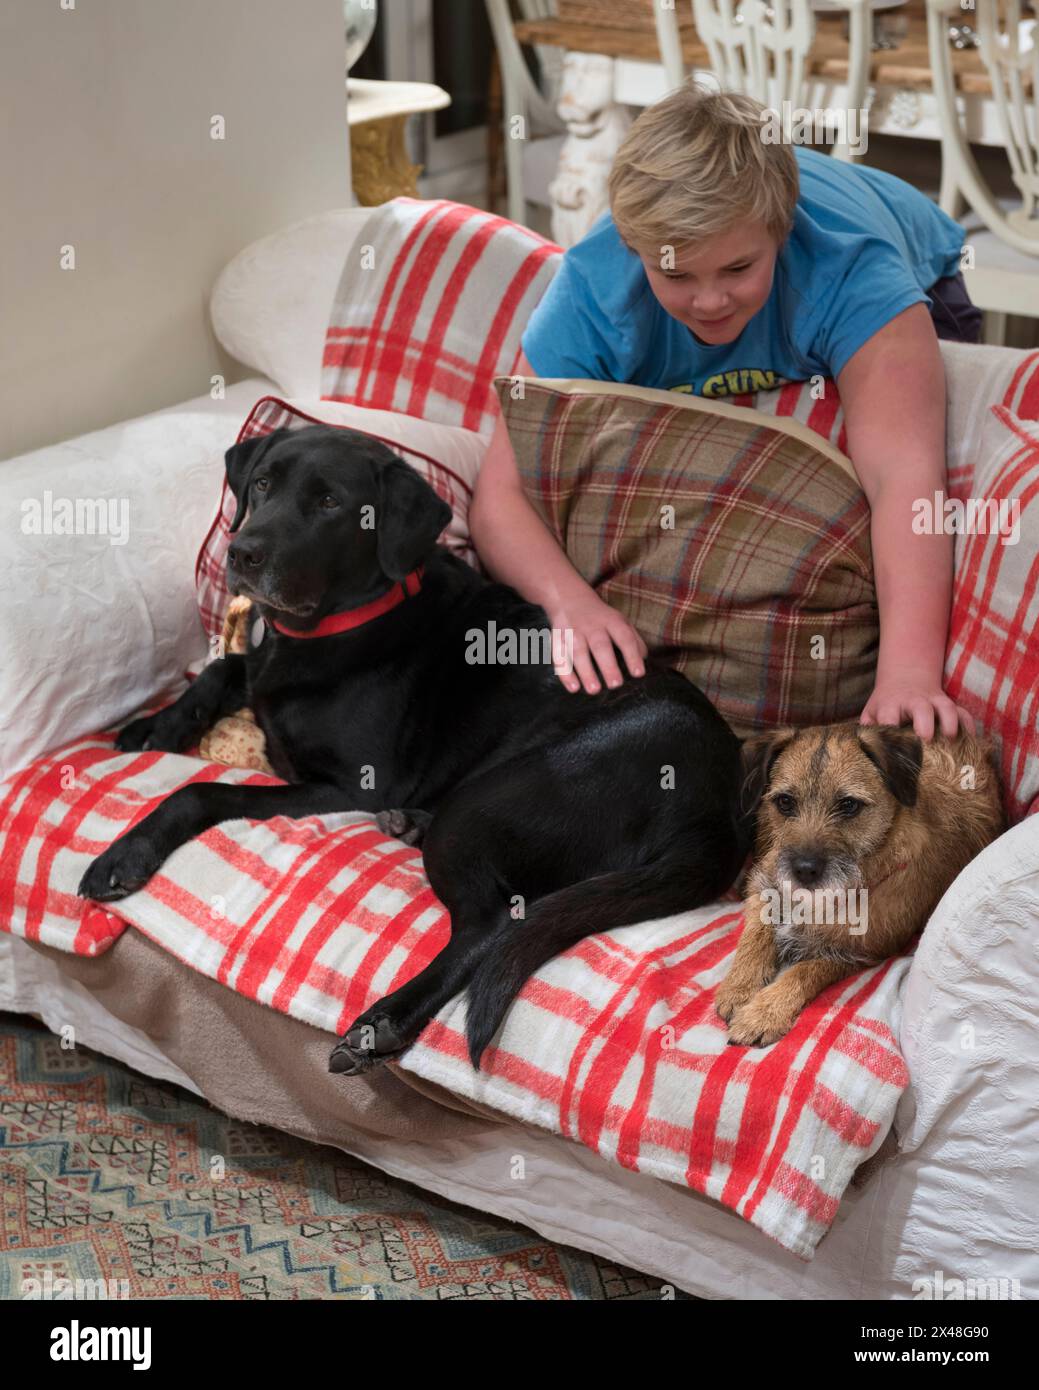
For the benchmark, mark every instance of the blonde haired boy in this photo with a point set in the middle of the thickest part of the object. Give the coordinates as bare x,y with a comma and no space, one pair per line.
728,264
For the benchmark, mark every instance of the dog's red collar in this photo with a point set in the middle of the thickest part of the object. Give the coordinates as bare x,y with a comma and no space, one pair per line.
891,873
356,617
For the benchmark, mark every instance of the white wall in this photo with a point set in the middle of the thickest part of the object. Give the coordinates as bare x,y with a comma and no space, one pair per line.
106,110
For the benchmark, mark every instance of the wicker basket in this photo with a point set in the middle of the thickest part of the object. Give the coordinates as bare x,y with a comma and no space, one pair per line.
621,14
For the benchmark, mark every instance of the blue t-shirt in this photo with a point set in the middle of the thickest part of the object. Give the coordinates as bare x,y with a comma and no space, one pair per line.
864,246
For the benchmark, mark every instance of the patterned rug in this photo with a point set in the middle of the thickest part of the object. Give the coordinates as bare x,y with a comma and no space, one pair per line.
114,1185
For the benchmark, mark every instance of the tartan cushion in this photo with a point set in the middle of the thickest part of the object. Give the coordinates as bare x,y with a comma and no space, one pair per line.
615,1044
737,546
452,476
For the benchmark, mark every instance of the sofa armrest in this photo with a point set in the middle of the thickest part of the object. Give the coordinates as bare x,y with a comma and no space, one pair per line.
969,1026
97,569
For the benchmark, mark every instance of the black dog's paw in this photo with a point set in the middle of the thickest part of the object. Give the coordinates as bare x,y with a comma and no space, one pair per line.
123,868
166,732
132,737
373,1039
408,826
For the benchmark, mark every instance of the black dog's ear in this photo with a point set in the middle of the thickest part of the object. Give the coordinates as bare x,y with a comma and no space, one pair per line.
757,756
239,461
410,517
898,754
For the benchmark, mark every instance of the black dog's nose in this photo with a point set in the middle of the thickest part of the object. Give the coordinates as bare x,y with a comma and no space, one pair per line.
245,554
808,869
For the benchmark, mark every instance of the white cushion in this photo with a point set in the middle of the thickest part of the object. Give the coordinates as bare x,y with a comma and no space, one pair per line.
270,304
94,626
460,450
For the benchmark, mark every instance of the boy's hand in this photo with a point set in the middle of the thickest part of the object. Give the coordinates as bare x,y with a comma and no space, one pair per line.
597,629
916,698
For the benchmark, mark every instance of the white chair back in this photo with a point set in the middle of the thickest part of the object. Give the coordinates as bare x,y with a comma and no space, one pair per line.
763,50
757,49
1008,62
522,94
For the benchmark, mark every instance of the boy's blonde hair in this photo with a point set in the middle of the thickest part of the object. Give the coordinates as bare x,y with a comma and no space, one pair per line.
695,163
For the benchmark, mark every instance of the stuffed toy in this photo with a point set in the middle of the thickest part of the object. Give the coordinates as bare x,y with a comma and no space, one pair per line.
236,740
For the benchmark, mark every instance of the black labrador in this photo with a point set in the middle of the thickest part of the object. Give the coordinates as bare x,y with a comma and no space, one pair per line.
381,677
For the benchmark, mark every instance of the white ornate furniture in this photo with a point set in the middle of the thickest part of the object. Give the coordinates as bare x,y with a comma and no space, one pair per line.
1002,271
753,48
763,50
596,125
899,95
756,49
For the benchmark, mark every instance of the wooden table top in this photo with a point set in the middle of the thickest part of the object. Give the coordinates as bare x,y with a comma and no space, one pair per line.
905,66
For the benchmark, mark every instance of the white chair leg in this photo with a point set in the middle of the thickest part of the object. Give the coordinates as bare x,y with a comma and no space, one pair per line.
950,199
517,202
513,107
994,328
860,42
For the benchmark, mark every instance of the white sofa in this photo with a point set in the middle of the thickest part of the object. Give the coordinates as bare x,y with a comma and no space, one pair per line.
956,1187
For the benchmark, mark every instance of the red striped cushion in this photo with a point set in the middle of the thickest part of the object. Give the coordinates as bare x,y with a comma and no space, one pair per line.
432,303
992,659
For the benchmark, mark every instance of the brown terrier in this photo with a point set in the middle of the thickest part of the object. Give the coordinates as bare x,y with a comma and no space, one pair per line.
861,829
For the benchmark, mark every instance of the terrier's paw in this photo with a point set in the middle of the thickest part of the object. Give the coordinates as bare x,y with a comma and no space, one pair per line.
372,1040
731,995
123,868
763,1020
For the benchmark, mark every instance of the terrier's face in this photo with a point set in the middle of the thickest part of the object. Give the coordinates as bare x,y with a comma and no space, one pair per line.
827,798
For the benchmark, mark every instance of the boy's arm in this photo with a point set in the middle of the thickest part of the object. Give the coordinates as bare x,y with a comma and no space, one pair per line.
893,394
516,547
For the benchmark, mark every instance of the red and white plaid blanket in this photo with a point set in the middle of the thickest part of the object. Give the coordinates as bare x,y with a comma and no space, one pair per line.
615,1044
432,303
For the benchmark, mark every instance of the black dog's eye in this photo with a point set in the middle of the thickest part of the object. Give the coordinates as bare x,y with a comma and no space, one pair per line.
329,502
261,484
849,806
784,803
